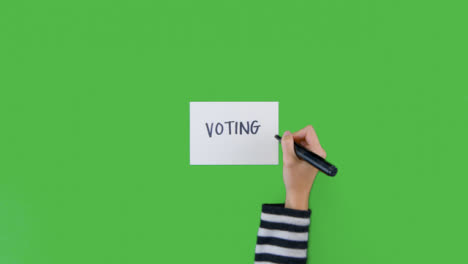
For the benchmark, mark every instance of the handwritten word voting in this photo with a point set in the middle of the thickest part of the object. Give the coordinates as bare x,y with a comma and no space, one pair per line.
233,133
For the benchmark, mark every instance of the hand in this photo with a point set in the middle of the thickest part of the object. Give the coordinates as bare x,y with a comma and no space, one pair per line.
299,175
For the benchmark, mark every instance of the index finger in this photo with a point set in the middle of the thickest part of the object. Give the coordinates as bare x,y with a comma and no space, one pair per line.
308,135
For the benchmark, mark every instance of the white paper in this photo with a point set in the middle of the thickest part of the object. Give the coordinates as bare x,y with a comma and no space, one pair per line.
233,133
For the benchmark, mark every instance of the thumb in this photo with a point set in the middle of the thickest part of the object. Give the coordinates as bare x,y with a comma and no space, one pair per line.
287,144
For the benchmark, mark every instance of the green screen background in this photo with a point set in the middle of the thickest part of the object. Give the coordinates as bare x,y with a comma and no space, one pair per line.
94,125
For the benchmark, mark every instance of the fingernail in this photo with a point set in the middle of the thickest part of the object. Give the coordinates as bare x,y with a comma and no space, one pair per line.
287,133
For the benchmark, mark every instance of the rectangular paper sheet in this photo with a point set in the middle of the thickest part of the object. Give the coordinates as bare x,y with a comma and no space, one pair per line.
233,133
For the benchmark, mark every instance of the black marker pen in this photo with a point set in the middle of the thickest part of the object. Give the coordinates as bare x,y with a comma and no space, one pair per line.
314,159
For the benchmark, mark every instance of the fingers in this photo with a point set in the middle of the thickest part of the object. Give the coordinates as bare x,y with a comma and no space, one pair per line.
306,134
287,144
309,140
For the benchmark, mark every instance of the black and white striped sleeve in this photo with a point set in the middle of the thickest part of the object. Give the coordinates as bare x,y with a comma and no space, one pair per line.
282,236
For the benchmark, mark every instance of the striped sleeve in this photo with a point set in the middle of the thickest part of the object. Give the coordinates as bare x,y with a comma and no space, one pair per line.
282,236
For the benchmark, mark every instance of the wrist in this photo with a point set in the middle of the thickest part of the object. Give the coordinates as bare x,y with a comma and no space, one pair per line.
297,201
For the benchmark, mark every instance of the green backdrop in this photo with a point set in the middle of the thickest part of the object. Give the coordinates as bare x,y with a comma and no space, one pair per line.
94,127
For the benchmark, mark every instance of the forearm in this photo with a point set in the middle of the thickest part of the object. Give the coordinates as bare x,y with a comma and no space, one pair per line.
283,235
